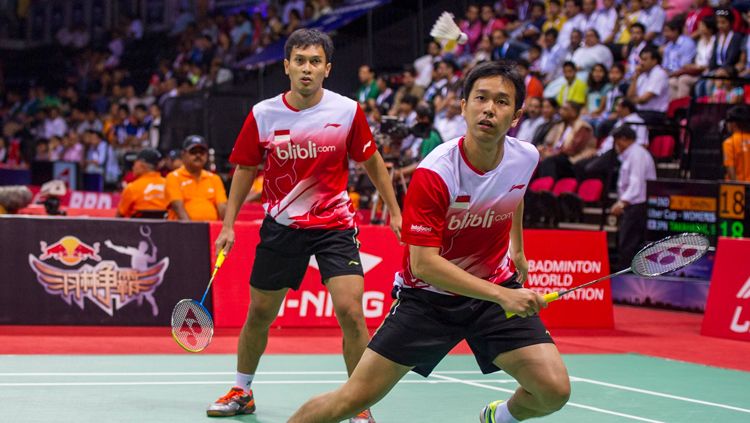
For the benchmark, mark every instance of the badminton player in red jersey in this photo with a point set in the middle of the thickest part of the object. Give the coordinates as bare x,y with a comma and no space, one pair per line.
305,138
463,218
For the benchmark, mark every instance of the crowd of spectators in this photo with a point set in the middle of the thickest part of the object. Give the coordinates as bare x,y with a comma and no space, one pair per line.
104,106
589,67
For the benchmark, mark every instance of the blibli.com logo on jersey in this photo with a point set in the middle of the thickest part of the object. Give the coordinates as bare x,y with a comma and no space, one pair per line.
297,151
471,220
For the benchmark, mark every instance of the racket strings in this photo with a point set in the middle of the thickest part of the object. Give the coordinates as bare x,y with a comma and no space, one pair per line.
192,327
669,254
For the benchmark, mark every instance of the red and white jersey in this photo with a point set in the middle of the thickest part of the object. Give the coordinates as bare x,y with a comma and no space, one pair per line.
306,158
464,211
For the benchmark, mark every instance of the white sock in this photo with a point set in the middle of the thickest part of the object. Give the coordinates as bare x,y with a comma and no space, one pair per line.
244,381
502,414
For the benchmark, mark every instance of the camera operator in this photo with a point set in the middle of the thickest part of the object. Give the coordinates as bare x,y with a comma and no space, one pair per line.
422,139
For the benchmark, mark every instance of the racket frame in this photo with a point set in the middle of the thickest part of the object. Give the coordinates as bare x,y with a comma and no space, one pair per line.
210,318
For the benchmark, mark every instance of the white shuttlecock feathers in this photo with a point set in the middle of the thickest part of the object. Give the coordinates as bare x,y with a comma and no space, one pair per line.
446,30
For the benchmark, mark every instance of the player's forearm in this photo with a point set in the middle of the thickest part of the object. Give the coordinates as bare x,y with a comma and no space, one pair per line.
375,167
241,182
516,231
441,273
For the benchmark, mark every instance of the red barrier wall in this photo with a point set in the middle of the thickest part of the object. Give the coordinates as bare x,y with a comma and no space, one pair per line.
728,306
310,306
559,259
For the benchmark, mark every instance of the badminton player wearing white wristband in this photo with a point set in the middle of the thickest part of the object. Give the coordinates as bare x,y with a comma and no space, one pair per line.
463,218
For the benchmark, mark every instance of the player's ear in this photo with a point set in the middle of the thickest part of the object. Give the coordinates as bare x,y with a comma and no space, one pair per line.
286,66
328,68
463,106
516,117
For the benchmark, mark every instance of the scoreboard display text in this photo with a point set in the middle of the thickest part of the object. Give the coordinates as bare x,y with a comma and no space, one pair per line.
707,207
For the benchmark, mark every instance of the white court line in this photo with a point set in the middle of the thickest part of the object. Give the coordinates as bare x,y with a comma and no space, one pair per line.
572,404
446,372
35,374
225,382
658,394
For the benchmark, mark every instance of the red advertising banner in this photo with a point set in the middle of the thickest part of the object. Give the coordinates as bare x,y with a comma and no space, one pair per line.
560,260
728,305
555,265
310,306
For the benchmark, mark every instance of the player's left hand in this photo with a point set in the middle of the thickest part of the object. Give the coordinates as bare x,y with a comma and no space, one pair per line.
395,222
522,266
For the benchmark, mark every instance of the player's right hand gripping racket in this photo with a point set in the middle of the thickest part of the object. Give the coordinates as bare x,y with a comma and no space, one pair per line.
192,325
660,257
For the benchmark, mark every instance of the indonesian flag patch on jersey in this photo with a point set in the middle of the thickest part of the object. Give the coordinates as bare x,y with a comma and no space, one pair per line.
461,202
281,135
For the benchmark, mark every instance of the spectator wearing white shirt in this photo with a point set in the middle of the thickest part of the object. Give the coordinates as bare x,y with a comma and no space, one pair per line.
602,166
637,167
606,21
450,124
532,119
684,79
588,15
424,65
652,18
632,50
553,56
679,49
54,124
626,114
575,20
649,87
592,52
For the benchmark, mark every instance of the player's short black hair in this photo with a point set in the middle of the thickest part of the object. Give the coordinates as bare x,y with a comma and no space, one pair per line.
304,37
504,69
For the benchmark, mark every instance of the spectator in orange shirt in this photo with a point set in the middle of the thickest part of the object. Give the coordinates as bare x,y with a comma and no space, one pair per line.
145,196
194,193
737,147
534,87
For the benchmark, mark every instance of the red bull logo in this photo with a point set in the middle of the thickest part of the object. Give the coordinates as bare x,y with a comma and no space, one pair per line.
70,251
104,283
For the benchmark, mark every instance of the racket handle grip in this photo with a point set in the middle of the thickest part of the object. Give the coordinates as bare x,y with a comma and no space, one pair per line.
548,297
220,258
219,261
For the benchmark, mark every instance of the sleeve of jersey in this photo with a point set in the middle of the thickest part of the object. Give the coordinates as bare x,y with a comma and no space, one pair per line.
425,207
360,142
247,150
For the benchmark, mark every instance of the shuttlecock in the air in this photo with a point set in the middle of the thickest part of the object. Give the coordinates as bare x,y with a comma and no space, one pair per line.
446,31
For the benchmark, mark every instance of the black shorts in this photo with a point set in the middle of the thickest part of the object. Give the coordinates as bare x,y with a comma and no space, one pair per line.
423,326
283,254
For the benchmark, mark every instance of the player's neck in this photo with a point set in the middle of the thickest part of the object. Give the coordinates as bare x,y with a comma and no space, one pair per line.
302,102
484,156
